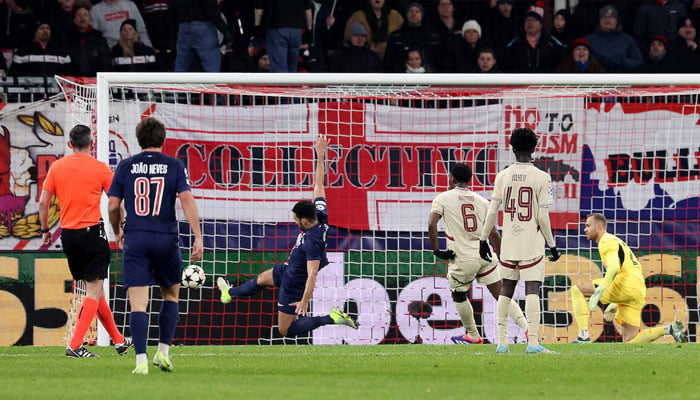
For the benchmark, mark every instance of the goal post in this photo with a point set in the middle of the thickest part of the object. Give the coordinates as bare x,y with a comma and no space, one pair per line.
623,145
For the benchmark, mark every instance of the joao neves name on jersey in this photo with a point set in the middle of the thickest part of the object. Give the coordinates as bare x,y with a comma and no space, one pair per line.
151,169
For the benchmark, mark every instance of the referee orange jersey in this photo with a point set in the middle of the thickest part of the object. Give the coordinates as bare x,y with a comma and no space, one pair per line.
78,181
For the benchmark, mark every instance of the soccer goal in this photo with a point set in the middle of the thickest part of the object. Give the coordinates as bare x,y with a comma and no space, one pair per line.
624,145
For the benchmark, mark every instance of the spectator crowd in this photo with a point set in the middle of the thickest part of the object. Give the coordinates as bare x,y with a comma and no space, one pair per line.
82,37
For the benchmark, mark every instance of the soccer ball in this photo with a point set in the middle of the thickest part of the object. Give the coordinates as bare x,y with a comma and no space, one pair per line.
193,277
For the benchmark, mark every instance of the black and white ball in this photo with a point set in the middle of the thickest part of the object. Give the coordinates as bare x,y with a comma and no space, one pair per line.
193,277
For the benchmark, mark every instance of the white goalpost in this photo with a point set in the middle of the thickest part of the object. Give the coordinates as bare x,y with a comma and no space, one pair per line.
623,145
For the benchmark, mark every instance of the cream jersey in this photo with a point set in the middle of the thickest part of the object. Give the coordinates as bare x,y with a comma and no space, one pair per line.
463,213
523,191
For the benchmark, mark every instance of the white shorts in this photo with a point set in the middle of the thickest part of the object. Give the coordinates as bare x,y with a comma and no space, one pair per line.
461,273
526,270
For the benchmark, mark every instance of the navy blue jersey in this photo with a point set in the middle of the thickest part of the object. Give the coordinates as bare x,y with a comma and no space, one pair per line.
149,183
311,245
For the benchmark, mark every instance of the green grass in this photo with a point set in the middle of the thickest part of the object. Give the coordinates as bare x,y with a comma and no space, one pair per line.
594,371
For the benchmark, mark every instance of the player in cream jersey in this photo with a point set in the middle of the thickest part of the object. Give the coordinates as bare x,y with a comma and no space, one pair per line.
463,213
525,192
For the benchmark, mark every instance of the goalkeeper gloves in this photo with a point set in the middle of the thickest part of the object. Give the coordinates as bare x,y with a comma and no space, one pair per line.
444,254
593,302
610,312
555,254
484,250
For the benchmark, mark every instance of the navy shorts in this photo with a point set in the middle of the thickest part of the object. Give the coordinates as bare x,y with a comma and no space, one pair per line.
291,286
151,258
87,251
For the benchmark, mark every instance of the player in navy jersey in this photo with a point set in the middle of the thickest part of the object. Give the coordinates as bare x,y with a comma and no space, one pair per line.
296,278
147,185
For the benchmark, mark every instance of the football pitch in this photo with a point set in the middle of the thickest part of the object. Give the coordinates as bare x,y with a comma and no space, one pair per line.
590,371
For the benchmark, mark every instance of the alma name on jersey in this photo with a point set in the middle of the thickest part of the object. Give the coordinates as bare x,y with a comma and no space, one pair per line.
151,169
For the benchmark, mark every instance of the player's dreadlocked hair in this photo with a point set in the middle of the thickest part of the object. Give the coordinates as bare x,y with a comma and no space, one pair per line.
461,172
305,209
523,140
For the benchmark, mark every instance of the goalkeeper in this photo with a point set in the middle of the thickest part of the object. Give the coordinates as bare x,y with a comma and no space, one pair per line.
622,289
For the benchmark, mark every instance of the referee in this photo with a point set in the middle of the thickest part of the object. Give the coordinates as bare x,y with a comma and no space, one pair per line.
78,181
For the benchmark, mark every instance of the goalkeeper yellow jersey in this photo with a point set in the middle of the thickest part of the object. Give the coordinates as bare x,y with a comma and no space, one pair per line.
614,251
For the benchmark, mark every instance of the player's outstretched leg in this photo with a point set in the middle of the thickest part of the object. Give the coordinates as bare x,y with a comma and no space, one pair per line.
228,292
674,329
224,287
340,318
303,325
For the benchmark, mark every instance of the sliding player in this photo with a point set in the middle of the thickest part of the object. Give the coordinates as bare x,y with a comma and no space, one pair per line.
296,279
526,194
622,286
464,212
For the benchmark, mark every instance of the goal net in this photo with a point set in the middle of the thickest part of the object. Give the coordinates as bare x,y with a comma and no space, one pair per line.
630,151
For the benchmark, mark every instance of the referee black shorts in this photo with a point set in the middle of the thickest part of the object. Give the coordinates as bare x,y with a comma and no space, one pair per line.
88,252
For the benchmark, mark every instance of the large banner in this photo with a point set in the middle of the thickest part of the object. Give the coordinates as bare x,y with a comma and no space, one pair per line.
30,140
637,163
646,160
386,163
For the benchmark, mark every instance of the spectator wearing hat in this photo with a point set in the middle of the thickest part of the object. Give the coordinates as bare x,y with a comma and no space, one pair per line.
197,39
586,15
487,61
658,59
580,59
379,21
501,26
685,48
561,27
107,17
660,17
355,55
533,51
462,58
41,57
129,54
261,61
412,35
89,53
616,50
